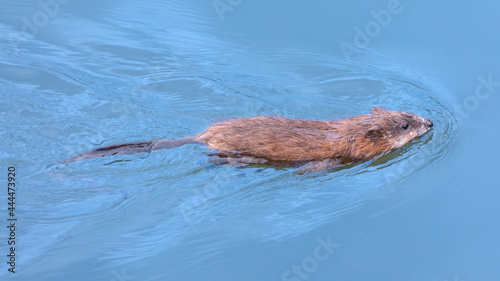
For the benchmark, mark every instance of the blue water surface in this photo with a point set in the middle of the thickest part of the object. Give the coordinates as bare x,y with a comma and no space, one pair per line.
77,75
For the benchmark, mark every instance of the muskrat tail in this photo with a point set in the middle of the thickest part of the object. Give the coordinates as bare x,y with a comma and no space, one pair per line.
128,148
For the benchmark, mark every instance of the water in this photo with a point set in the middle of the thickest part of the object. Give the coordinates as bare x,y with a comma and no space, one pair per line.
78,75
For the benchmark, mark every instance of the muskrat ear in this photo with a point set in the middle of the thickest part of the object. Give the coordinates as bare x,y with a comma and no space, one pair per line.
376,109
375,134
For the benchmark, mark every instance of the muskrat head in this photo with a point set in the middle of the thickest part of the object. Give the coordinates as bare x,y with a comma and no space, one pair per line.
396,128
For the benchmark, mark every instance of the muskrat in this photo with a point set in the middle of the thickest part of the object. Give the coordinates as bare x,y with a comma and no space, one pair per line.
315,145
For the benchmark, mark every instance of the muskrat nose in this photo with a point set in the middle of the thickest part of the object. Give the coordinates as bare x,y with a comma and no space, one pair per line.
428,123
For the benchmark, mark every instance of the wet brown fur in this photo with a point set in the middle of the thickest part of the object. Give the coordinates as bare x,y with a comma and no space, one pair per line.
282,139
272,139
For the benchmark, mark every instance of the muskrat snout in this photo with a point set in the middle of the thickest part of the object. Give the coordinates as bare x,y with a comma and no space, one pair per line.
428,123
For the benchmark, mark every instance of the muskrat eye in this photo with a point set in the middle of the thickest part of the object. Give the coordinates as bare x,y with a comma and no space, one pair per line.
405,126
